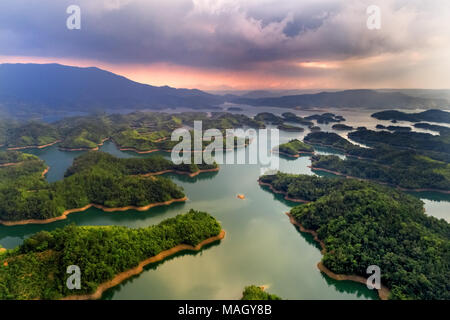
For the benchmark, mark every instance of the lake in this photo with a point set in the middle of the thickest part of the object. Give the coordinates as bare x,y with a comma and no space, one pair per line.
261,246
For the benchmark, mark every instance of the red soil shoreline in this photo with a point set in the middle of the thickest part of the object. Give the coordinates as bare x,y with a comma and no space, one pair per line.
179,172
35,147
85,149
383,292
119,278
69,211
300,153
281,192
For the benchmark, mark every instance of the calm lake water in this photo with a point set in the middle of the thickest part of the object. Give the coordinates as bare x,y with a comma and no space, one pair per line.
261,247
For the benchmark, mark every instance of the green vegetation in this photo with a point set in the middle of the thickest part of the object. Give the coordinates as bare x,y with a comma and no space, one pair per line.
325,118
269,118
294,148
329,139
7,157
410,171
31,134
257,293
434,146
94,178
292,117
83,132
364,224
287,127
432,115
441,129
37,268
341,127
141,131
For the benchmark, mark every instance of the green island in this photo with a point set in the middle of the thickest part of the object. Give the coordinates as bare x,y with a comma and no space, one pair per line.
292,117
407,169
95,179
432,115
434,146
295,148
433,127
269,118
8,158
342,127
360,224
106,256
142,132
290,128
325,118
253,292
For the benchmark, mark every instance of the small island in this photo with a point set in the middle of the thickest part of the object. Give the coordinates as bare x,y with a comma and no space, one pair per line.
295,148
341,127
290,128
37,268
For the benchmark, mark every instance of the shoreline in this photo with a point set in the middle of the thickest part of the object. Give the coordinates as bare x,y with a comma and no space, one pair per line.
45,172
10,164
297,155
383,292
84,148
105,209
119,278
191,175
381,182
35,147
281,192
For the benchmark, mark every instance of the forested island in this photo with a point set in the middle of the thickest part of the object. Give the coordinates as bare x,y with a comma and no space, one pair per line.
290,128
361,224
139,131
257,293
295,148
432,115
106,256
407,169
342,127
95,179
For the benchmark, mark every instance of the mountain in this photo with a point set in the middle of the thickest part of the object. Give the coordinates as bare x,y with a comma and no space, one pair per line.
29,90
361,98
49,87
428,115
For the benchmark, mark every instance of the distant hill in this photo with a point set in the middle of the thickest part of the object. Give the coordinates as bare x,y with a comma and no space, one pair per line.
47,87
29,90
362,98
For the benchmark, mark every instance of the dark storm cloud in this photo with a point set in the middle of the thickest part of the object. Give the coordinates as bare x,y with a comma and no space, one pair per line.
210,34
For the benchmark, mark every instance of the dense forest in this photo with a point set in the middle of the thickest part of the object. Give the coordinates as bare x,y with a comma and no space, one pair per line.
14,157
141,131
432,115
257,293
294,148
95,178
409,172
290,128
364,224
37,268
434,146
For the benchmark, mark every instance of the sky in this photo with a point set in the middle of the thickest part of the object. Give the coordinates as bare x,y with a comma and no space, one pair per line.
239,44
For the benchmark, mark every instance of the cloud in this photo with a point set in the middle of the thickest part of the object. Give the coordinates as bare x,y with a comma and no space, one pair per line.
229,35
